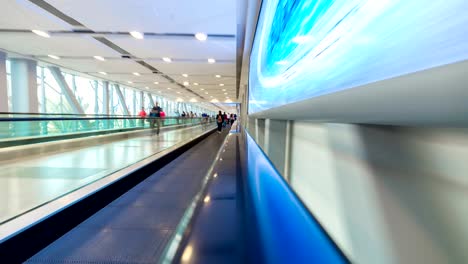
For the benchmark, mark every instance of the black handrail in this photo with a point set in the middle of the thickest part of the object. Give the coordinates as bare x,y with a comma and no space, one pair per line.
18,119
59,114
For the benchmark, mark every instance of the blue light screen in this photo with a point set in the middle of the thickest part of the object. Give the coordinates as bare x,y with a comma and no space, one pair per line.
304,49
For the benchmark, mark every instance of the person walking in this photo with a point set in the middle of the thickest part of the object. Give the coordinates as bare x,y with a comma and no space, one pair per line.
155,115
219,121
142,115
231,119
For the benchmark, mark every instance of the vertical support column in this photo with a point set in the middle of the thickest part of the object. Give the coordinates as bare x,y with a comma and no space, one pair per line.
44,124
105,101
96,97
43,91
134,102
276,143
105,97
111,100
287,151
24,95
24,86
142,100
3,84
4,126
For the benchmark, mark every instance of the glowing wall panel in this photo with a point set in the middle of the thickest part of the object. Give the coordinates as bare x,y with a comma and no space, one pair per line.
304,49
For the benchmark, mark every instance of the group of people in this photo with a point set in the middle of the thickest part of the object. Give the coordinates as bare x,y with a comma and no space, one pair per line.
155,115
188,115
223,119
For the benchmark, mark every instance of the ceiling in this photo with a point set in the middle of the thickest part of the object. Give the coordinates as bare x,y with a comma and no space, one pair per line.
82,29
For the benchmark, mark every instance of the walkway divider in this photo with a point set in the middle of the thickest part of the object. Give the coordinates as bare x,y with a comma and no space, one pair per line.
173,247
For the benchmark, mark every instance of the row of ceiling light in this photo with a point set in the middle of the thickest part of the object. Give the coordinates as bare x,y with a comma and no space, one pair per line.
139,35
100,58
135,34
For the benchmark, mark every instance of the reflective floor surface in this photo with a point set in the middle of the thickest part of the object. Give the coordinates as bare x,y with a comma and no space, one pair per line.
30,182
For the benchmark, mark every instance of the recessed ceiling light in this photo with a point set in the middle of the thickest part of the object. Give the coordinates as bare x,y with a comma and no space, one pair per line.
221,84
214,100
195,83
218,76
169,88
211,96
178,92
136,34
206,92
166,59
228,101
201,36
147,87
99,58
202,89
136,74
185,75
225,93
224,90
103,73
193,100
54,57
211,60
159,91
129,81
156,82
186,83
41,33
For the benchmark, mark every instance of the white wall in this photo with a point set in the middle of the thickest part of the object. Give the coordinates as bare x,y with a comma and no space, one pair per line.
386,194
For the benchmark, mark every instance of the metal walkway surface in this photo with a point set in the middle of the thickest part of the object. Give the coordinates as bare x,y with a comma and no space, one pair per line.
217,234
135,227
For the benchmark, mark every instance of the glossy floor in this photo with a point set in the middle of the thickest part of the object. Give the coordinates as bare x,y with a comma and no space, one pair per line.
30,182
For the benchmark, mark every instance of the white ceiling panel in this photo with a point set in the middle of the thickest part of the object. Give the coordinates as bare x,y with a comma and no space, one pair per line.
118,66
204,79
163,16
175,16
22,14
145,80
31,44
228,69
179,48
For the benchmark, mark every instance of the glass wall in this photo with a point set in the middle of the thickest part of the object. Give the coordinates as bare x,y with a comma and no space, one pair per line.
51,97
89,93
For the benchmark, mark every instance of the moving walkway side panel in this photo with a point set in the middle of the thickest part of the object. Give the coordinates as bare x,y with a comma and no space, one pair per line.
28,242
287,232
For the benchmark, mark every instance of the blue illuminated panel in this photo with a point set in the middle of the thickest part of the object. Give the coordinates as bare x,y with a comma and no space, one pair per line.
304,49
287,232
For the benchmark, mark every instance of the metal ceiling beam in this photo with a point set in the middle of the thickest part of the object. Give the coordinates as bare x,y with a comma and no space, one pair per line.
54,11
89,32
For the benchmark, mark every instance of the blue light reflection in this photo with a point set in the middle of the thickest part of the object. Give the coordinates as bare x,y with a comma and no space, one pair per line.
288,234
304,49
